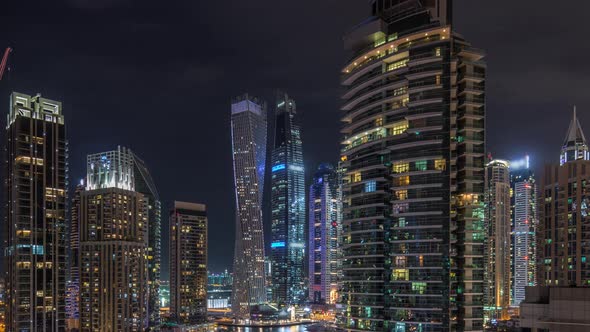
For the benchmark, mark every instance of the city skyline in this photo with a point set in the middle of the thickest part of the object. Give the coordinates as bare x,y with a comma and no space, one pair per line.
84,78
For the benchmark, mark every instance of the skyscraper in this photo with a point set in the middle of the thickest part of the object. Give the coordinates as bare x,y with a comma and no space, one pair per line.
113,248
287,205
248,129
188,263
35,233
145,185
324,229
73,282
563,235
497,247
413,151
524,223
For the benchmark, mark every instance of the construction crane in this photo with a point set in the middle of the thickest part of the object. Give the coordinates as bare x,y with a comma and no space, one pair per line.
4,62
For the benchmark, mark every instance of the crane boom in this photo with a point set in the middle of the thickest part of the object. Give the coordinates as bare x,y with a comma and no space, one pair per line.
4,61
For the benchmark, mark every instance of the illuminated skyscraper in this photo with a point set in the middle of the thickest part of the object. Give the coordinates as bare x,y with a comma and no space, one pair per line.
497,248
563,234
188,263
288,206
113,246
248,129
123,169
413,189
524,223
35,233
324,226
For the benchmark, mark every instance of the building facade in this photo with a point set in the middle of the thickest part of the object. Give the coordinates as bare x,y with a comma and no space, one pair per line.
563,235
219,287
324,230
35,231
523,198
555,309
188,263
287,206
73,282
498,238
248,129
145,185
413,187
112,221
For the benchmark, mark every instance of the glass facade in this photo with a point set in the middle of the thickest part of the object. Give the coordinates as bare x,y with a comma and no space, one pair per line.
524,226
248,129
288,206
324,230
498,238
413,213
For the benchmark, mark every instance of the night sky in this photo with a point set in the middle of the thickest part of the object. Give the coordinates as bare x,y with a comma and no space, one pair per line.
159,80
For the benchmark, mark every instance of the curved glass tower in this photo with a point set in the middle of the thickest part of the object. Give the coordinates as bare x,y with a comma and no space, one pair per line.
288,206
413,150
248,124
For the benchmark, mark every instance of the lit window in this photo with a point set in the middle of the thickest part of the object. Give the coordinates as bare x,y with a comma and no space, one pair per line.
397,64
421,165
437,79
440,164
401,222
402,181
399,127
401,167
437,51
401,194
378,122
419,287
400,261
357,177
401,274
370,186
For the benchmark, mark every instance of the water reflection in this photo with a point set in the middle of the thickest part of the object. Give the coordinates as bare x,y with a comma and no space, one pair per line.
295,328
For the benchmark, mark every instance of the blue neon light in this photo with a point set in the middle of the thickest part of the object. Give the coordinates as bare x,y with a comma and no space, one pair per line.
277,244
278,167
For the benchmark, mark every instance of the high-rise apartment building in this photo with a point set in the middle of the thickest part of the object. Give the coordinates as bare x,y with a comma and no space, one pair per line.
73,281
498,237
413,189
112,220
35,231
133,174
523,199
248,129
188,263
287,206
563,234
324,230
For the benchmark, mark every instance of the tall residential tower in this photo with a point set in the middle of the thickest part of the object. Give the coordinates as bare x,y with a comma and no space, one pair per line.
112,222
324,230
248,130
288,206
188,263
563,234
35,231
497,247
523,199
413,151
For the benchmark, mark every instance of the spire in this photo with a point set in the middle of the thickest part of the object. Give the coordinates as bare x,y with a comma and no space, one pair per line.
574,146
575,133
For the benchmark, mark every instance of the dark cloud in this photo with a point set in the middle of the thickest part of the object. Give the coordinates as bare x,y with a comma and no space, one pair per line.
158,76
